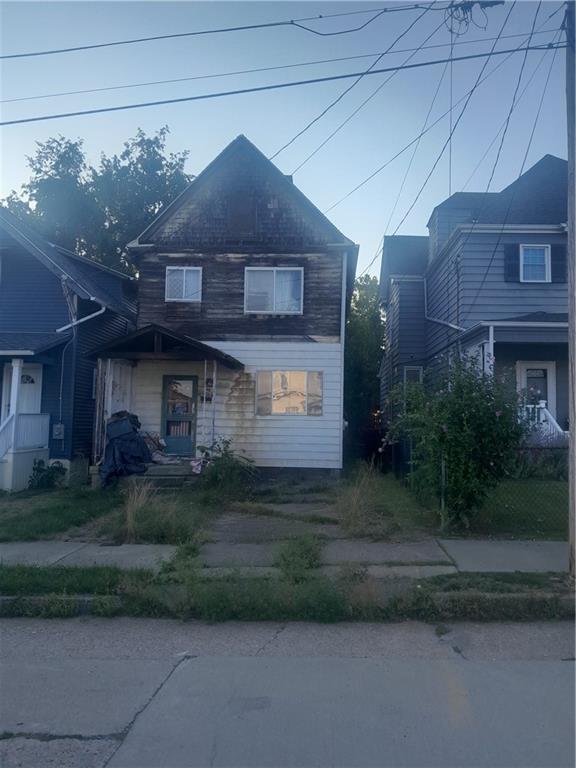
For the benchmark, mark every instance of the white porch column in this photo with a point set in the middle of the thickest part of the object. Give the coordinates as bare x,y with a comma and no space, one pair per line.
17,364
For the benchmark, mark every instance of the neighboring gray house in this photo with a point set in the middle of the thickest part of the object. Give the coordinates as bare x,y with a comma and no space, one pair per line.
489,280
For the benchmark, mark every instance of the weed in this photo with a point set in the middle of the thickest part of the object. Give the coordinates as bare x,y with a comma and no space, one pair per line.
45,476
297,557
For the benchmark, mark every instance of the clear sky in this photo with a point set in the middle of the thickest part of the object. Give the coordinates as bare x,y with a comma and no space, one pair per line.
391,119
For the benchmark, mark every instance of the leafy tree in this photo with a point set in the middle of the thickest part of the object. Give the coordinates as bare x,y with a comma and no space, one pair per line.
465,433
363,351
97,210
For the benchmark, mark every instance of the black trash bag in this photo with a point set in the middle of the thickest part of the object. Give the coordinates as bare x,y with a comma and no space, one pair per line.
126,452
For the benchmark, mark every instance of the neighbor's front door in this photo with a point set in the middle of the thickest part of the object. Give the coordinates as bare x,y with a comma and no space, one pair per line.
179,414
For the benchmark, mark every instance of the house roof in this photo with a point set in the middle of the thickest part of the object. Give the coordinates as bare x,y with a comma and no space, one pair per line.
242,145
539,317
156,339
30,343
402,255
86,278
538,196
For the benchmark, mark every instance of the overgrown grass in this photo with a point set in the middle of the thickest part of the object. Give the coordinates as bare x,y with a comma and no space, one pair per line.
372,504
530,508
69,580
498,583
30,516
297,557
147,516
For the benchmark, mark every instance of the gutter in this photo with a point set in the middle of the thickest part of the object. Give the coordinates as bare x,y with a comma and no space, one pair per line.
83,319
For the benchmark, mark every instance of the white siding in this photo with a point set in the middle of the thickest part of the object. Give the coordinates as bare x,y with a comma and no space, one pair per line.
273,441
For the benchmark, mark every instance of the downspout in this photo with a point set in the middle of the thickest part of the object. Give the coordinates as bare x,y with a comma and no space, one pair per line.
74,323
436,319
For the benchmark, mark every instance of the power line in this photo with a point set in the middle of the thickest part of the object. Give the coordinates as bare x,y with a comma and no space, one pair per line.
245,27
414,140
409,167
513,196
360,106
455,126
259,69
350,87
277,86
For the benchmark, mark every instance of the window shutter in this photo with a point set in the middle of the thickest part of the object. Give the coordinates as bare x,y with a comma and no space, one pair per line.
512,263
558,263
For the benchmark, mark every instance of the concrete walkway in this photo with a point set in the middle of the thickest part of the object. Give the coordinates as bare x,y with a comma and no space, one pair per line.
421,557
74,553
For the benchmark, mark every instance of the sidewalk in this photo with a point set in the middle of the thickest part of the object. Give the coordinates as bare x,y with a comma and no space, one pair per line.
427,557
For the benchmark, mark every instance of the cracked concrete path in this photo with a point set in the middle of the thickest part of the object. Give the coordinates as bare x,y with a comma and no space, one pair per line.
90,693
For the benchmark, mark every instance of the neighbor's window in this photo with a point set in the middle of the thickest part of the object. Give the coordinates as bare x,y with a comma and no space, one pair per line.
273,290
183,283
297,393
413,374
535,264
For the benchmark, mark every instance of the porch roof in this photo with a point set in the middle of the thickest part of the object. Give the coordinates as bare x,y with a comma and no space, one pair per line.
21,344
154,342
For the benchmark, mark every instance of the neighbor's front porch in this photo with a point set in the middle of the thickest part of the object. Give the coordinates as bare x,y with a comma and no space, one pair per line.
533,356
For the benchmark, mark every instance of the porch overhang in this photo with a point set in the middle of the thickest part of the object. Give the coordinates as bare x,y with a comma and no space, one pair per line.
535,328
17,344
154,342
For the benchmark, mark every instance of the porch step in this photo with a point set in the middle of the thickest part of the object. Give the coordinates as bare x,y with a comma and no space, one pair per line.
159,475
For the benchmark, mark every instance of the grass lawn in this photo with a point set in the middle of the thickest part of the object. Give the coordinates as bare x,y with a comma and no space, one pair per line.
531,508
28,516
68,580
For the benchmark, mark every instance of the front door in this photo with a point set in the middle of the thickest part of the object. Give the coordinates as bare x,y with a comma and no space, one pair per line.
30,400
537,380
179,399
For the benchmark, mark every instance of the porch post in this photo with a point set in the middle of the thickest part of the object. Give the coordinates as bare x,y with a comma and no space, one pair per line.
15,385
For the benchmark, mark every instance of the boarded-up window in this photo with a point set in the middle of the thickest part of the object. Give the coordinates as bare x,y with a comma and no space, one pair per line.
289,393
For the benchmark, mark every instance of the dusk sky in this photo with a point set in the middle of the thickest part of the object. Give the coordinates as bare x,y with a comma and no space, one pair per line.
269,119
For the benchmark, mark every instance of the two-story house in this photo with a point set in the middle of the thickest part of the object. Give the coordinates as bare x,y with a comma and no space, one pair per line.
489,281
54,307
243,289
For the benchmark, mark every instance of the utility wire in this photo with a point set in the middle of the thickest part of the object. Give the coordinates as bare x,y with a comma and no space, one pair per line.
349,88
258,69
408,169
513,196
277,86
267,25
432,125
361,106
455,126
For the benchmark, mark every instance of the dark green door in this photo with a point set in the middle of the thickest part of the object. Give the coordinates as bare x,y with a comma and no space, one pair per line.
179,399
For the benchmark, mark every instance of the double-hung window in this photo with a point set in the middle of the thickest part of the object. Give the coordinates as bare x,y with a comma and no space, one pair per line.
273,290
289,393
183,284
535,264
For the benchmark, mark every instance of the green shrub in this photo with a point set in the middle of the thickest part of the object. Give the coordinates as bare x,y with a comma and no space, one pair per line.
45,476
228,471
464,433
297,557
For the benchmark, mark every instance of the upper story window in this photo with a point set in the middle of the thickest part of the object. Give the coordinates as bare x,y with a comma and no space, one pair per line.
273,290
184,284
535,264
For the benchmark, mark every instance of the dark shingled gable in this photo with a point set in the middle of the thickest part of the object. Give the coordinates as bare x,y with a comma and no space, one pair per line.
402,255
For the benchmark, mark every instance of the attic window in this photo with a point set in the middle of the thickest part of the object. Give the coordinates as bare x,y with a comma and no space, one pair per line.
183,284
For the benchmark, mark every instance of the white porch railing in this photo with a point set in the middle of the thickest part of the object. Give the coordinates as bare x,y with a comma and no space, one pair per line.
24,431
542,424
6,435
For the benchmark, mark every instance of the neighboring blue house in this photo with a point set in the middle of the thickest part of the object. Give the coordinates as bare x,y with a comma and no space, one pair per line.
54,306
490,280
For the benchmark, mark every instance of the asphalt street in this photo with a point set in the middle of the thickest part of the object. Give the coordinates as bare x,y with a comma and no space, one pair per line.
137,693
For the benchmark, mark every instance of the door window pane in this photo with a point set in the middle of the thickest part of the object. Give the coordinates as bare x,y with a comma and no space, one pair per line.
537,384
180,398
178,428
260,290
534,264
288,290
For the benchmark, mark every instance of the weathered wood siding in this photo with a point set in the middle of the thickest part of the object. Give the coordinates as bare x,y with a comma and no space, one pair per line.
272,441
221,315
